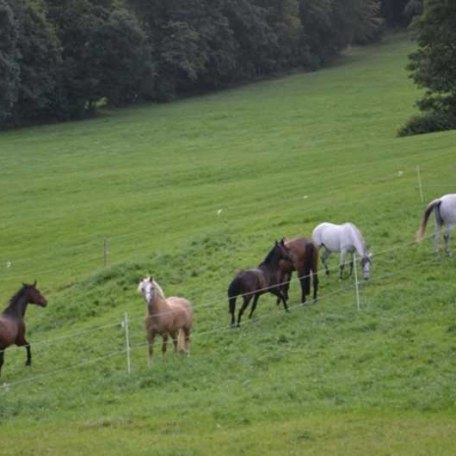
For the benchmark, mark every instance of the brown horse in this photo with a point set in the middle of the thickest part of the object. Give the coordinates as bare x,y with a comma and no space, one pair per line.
12,325
305,255
252,283
167,317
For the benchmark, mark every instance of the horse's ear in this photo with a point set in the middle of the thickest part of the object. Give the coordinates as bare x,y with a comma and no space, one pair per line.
34,283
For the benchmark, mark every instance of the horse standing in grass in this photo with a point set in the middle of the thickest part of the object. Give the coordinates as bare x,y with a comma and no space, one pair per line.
345,238
252,283
165,316
304,255
445,214
12,325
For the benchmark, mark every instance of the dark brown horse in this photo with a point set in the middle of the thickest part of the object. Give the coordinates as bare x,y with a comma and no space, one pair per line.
12,325
252,283
304,254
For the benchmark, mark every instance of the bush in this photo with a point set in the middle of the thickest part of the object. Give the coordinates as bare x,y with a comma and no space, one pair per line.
428,123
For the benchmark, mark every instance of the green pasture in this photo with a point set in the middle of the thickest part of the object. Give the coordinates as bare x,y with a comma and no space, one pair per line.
192,192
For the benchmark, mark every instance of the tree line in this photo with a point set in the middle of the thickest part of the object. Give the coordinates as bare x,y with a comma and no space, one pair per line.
61,59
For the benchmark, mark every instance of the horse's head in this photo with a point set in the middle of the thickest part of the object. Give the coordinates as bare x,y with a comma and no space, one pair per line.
149,288
284,251
366,262
145,287
34,295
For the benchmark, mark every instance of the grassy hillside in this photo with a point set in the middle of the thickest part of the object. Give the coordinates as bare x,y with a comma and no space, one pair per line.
191,192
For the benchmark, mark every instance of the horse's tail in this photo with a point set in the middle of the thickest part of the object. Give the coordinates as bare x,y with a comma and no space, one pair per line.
433,205
181,344
310,264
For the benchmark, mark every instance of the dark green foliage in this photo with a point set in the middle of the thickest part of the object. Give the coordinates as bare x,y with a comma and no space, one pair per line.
393,12
428,123
413,8
9,55
63,58
433,66
38,61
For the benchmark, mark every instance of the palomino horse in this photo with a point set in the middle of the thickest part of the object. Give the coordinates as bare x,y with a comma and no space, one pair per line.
445,214
345,238
252,283
12,325
165,316
304,254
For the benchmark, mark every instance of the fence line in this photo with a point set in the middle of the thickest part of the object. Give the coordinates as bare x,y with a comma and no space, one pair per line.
210,304
141,235
130,347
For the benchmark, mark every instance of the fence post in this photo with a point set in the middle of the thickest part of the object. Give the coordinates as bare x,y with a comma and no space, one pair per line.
355,267
420,185
105,252
127,342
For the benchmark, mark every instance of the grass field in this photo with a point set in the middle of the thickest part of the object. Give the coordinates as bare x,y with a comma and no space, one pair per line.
191,192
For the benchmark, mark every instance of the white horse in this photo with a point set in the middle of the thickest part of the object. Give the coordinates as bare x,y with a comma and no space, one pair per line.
345,238
445,214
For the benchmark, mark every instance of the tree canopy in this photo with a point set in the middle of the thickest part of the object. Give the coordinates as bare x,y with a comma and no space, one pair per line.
433,67
62,58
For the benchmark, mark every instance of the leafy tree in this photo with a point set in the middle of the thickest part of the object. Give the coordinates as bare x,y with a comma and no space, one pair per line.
392,11
38,61
9,55
433,66
104,54
413,8
256,42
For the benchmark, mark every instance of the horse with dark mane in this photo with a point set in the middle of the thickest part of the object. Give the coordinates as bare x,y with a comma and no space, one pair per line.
12,325
252,283
304,255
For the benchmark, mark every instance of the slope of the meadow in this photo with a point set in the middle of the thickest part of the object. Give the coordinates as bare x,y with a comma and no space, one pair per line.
191,192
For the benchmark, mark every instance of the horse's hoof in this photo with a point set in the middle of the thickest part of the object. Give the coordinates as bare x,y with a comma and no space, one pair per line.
315,301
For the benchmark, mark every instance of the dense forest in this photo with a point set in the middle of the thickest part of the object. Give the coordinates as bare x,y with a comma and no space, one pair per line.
60,59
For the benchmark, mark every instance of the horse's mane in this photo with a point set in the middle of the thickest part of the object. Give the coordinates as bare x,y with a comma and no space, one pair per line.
270,255
159,288
15,298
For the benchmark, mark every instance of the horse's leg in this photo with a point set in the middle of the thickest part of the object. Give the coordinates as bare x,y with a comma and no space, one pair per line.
28,361
324,258
244,306
232,306
22,342
164,344
254,304
186,340
151,341
446,237
285,286
2,359
315,286
342,263
436,237
303,289
175,336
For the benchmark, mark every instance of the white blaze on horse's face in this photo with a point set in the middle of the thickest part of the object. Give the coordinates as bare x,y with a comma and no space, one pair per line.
146,288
